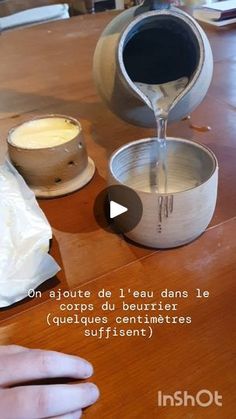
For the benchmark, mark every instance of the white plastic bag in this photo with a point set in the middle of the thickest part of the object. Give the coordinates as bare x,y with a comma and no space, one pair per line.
24,239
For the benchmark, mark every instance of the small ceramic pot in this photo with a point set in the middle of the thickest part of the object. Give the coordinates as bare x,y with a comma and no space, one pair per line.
53,171
182,214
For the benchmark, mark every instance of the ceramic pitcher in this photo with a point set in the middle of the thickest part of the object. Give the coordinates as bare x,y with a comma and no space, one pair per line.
153,43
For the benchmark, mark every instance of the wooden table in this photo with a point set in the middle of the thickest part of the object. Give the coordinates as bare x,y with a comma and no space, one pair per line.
49,69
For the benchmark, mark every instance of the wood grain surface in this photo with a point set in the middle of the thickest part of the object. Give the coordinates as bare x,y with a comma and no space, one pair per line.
49,69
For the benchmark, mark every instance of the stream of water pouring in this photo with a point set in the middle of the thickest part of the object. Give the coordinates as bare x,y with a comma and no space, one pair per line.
161,97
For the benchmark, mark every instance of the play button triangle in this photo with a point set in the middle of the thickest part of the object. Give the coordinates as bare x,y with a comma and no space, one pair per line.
116,209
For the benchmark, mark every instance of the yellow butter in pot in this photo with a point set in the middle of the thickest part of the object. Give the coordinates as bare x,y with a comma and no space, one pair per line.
44,132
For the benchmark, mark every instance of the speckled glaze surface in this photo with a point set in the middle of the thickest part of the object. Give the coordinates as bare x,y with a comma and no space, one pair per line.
116,87
181,215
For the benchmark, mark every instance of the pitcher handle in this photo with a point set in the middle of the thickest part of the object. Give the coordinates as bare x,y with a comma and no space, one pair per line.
148,5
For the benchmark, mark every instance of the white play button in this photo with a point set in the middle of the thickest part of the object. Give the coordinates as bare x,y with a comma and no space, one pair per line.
116,209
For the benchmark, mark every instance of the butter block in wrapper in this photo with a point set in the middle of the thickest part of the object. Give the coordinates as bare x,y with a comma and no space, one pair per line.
24,239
